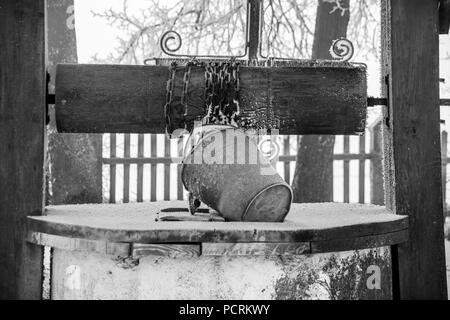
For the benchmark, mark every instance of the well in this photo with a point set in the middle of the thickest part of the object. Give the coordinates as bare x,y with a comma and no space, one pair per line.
122,252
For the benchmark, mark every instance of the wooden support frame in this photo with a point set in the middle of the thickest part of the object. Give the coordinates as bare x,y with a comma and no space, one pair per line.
411,132
22,129
410,48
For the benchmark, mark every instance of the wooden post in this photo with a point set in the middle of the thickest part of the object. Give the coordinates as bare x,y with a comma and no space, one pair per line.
412,145
22,127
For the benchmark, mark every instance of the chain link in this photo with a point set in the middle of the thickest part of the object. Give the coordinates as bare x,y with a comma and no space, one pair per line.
221,93
169,98
184,100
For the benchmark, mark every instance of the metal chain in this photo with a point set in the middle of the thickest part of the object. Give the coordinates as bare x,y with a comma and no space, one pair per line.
184,95
221,93
169,98
222,87
168,107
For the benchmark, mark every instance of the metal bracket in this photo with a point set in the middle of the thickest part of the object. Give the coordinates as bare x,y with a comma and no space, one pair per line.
372,102
388,111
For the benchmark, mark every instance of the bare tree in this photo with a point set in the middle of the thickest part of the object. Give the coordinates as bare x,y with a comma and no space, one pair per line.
218,27
74,159
313,177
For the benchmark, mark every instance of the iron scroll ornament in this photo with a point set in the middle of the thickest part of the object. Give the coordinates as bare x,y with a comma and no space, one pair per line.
341,49
172,36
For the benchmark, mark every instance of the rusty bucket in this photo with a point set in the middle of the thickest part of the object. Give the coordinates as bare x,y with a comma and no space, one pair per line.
223,168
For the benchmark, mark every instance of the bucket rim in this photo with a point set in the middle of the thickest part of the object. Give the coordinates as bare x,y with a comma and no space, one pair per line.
284,184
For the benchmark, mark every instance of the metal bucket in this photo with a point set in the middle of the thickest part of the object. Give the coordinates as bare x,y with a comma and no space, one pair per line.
223,168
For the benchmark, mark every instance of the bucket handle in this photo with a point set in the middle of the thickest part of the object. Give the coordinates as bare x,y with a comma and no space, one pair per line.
200,218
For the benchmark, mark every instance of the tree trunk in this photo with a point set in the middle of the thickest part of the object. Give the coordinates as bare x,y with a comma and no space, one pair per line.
313,177
75,159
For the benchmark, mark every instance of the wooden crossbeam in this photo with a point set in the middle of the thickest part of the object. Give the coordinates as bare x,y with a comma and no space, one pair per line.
309,98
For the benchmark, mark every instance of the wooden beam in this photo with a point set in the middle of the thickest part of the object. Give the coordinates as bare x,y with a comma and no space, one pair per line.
412,145
255,249
322,98
22,127
165,250
74,244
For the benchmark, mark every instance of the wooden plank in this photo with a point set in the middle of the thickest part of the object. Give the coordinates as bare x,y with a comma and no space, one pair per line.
126,170
112,169
362,169
346,170
412,143
165,250
358,243
74,244
22,128
255,249
130,99
153,149
136,222
140,169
